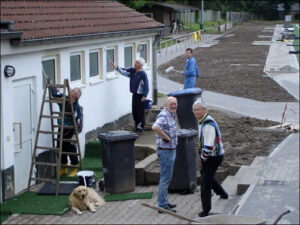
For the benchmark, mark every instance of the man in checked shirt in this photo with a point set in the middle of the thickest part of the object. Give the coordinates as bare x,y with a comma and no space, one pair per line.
211,152
165,129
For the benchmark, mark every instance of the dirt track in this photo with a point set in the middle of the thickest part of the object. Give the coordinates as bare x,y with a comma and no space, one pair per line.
241,143
220,72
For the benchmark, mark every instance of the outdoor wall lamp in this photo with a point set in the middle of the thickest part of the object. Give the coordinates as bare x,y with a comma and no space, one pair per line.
9,71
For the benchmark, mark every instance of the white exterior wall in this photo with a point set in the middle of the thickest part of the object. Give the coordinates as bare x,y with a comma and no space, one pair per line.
103,101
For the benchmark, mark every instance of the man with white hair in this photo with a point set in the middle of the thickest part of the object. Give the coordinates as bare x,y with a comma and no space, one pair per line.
211,152
165,129
139,87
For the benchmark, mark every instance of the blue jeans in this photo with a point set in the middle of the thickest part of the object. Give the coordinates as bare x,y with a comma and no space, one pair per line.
189,82
166,161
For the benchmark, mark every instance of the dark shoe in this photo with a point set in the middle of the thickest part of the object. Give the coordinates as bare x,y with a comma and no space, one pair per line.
224,196
171,205
168,208
203,214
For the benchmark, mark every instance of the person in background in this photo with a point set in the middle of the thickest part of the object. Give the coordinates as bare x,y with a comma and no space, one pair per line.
211,152
139,87
165,129
191,70
68,133
174,27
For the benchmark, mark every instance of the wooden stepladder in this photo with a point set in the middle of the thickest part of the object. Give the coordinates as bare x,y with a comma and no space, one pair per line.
57,135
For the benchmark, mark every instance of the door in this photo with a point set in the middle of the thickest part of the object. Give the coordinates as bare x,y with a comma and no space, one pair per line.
23,131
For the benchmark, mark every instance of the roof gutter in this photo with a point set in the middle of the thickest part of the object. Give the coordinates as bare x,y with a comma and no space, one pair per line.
11,35
85,37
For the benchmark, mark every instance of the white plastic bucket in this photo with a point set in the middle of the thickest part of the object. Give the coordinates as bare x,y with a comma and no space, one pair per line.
86,178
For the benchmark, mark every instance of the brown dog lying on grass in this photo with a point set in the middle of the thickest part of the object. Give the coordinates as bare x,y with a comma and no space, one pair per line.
84,198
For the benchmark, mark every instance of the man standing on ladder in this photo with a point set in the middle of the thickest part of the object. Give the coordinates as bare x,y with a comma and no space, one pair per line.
191,70
69,132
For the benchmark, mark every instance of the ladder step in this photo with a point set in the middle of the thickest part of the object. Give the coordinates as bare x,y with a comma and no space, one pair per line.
51,117
55,85
65,127
55,164
71,166
60,113
43,179
66,140
70,153
48,132
56,100
60,99
47,148
45,164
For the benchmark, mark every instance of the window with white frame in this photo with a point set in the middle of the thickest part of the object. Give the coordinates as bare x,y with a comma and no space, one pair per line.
94,63
144,51
49,70
110,56
75,67
128,56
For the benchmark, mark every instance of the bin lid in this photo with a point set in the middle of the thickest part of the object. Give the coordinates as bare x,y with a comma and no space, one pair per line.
182,133
118,135
188,91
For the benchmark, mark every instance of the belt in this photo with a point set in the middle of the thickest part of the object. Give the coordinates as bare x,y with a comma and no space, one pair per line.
166,149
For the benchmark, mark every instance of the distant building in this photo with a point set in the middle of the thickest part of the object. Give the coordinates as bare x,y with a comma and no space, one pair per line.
65,40
167,12
294,11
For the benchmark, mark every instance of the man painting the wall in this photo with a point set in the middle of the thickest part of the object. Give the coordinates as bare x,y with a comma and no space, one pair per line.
139,87
191,70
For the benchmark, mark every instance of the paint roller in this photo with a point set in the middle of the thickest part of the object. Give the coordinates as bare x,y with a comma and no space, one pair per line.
171,68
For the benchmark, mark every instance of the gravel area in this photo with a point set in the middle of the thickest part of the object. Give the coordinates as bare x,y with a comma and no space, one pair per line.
234,66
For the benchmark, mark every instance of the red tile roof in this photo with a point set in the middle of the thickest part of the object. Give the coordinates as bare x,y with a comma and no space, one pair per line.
51,19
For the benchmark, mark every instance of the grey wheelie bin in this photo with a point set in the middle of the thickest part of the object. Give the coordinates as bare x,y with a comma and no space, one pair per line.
118,161
184,179
185,99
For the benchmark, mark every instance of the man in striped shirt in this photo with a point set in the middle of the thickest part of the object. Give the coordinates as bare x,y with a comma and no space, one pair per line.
165,129
211,152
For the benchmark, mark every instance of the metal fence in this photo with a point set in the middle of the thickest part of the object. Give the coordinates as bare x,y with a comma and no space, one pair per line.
167,47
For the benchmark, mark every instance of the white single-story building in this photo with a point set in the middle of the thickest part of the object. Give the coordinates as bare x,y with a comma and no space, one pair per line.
72,40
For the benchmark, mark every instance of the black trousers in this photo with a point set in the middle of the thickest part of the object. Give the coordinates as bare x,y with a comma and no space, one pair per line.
138,109
209,181
68,147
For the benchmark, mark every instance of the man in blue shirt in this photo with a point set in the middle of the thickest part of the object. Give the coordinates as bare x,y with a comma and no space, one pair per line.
139,87
191,70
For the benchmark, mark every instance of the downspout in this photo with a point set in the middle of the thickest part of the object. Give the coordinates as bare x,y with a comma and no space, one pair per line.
154,66
1,140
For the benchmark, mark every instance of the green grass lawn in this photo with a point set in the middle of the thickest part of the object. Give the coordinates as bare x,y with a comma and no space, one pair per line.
159,95
166,42
207,24
296,42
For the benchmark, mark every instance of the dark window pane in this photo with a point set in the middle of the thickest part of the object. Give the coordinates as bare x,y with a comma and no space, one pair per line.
128,56
94,69
49,70
109,57
143,52
75,68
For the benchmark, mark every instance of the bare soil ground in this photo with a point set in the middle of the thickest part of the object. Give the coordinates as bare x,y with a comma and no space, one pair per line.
219,71
242,144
